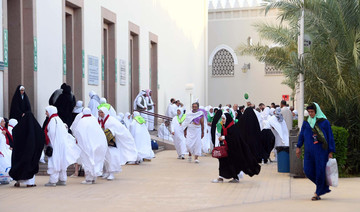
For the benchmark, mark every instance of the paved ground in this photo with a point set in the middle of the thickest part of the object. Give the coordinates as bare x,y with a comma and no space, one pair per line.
168,184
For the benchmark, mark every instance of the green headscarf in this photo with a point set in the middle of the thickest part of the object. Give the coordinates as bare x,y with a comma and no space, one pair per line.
319,115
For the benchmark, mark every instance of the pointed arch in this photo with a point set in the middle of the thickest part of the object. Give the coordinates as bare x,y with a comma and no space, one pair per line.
226,47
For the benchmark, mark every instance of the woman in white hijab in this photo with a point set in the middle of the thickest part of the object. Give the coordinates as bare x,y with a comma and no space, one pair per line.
92,142
65,151
178,133
12,124
140,132
94,103
115,157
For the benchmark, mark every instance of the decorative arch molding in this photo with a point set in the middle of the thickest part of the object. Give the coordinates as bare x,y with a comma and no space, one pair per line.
226,47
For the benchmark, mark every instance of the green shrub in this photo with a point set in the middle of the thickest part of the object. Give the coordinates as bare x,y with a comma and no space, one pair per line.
341,136
295,123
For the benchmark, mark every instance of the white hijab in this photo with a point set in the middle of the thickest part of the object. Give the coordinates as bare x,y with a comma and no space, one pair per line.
79,107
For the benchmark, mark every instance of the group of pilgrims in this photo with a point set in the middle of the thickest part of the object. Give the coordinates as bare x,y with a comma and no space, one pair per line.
102,141
94,137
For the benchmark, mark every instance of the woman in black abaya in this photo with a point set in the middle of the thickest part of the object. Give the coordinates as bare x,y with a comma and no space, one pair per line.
29,140
239,158
20,104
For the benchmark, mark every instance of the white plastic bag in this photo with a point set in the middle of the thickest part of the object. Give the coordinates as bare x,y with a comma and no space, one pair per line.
332,174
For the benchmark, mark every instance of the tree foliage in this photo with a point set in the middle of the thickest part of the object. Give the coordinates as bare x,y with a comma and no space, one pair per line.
331,66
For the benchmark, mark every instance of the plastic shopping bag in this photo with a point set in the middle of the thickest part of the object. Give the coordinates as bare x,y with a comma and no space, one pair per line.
332,174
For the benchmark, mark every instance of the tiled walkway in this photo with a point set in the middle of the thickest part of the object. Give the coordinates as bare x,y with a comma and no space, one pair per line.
169,184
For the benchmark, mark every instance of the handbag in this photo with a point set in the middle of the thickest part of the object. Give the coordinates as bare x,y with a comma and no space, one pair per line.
110,138
154,145
220,151
49,151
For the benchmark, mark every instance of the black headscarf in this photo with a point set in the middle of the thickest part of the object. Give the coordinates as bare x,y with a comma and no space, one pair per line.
65,105
29,140
19,105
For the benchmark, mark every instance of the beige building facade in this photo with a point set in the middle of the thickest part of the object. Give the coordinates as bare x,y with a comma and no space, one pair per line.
230,75
114,47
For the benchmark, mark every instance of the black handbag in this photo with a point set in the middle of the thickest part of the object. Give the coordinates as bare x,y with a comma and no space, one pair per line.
49,151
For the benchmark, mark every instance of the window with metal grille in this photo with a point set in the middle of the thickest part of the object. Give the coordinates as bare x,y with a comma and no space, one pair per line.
223,63
271,70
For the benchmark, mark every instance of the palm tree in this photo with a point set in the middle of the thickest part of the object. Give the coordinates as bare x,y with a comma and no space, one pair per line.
331,66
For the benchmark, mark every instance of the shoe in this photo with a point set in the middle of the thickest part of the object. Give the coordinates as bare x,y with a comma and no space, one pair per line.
146,160
50,184
218,180
61,183
105,175
93,182
182,157
17,184
87,182
234,181
74,176
29,186
111,177
179,157
197,161
241,175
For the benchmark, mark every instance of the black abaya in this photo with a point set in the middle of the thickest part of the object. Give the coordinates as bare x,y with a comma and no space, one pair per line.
29,140
65,105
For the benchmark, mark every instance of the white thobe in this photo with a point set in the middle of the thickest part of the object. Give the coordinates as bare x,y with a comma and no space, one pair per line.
288,117
150,119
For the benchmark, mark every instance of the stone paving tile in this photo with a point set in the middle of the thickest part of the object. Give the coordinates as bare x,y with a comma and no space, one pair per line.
168,184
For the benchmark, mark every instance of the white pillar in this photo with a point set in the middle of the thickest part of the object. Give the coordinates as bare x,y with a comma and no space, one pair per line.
300,97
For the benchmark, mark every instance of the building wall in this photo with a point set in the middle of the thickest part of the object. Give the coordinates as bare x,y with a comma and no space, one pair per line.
182,47
232,27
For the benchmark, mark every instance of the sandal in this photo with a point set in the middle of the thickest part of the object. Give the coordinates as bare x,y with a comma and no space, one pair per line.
315,198
17,185
31,185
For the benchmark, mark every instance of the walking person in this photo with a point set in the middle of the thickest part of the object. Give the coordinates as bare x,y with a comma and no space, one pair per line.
317,137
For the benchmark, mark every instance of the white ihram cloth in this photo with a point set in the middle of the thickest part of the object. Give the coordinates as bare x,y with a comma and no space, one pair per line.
280,131
124,140
193,134
113,154
164,133
65,150
149,102
127,120
205,140
94,103
142,139
179,139
92,142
